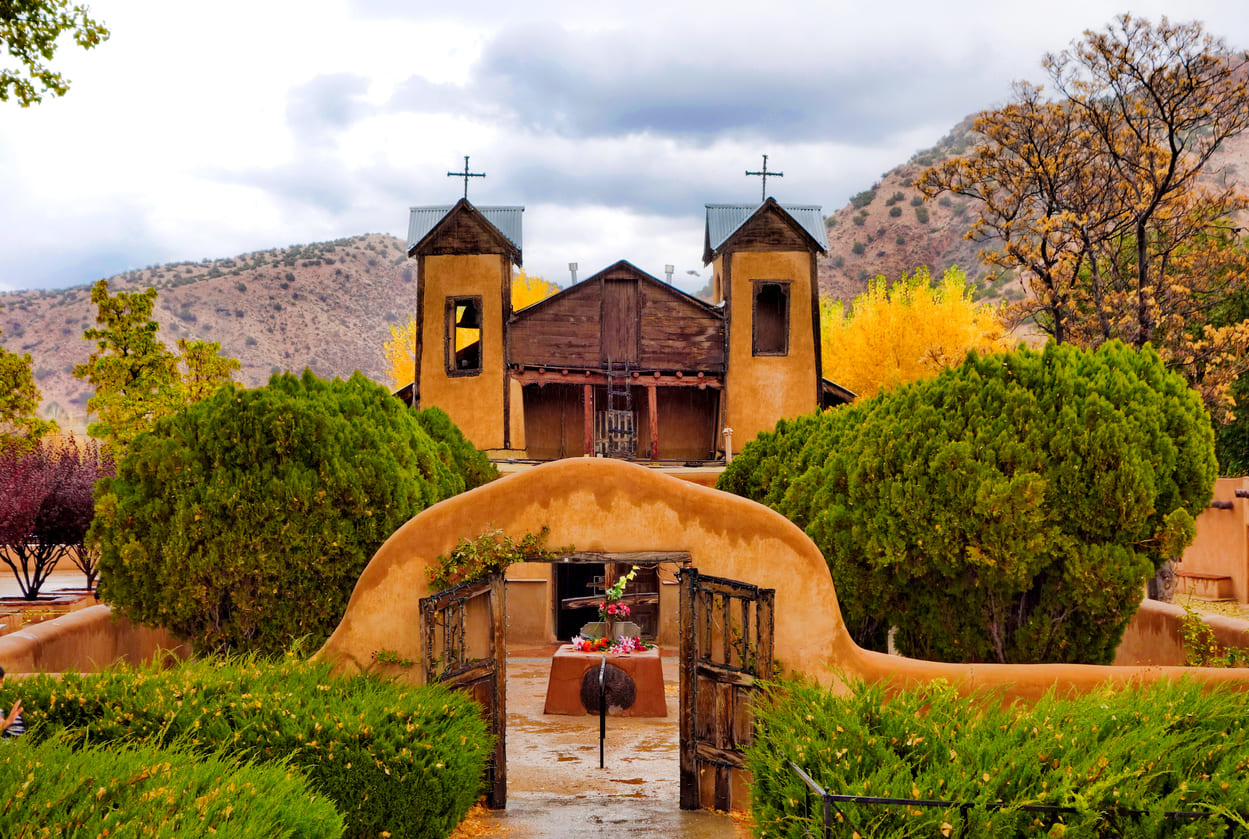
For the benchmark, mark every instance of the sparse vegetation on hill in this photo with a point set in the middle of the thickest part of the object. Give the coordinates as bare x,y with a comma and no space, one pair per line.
316,306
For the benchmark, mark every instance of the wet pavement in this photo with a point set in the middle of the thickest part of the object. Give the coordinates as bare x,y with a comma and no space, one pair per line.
555,787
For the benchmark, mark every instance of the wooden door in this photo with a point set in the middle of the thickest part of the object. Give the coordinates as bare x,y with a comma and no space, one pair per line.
462,642
726,645
621,321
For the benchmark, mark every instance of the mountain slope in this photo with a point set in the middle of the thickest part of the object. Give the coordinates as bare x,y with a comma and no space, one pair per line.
888,228
324,306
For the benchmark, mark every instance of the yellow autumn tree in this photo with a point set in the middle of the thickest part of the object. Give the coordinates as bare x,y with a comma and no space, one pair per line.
906,331
400,350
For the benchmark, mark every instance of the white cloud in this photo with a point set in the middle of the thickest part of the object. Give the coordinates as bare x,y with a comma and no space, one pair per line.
210,130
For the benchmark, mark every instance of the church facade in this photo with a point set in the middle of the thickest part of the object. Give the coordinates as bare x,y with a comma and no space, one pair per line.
621,364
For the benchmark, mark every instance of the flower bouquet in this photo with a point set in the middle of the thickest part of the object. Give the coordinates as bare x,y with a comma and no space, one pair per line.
591,645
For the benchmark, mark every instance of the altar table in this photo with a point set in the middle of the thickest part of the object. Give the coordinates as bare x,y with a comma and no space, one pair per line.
568,667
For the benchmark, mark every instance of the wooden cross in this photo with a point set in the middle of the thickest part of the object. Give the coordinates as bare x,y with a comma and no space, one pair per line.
765,173
467,174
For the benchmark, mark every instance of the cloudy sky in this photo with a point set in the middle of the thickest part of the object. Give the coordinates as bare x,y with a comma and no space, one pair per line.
212,129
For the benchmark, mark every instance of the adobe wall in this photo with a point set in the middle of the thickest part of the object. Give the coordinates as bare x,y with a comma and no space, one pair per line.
608,505
1155,635
474,403
599,504
1222,544
761,389
85,641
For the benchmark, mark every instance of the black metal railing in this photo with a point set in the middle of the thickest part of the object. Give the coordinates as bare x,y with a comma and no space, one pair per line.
830,804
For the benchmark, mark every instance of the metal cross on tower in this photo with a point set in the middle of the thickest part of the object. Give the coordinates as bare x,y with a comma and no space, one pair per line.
467,174
765,174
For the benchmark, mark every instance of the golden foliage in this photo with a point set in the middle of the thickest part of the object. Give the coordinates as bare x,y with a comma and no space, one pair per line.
1096,196
400,350
527,290
905,332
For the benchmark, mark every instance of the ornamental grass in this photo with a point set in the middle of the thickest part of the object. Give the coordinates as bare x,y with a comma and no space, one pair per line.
53,789
1120,758
392,758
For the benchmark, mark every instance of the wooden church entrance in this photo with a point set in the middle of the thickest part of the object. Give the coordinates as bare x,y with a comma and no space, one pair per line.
726,647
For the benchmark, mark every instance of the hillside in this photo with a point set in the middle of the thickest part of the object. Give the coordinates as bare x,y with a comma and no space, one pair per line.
887,228
324,306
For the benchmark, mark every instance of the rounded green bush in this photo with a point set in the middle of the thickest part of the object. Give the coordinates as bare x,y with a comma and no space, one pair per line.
244,521
1010,509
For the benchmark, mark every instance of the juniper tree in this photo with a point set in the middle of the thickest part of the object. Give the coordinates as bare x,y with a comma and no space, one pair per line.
1010,509
243,521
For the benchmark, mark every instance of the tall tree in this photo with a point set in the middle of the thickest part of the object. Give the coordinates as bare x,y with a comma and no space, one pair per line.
1102,198
19,399
134,376
204,368
29,31
136,379
894,334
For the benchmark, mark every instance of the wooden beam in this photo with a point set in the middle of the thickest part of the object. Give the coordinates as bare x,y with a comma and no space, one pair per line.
635,599
652,406
420,329
625,557
507,350
589,419
542,377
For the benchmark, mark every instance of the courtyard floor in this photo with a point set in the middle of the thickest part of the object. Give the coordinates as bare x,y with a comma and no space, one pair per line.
555,788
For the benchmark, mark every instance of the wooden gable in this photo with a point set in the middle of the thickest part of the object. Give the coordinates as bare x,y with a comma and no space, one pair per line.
770,228
464,230
622,315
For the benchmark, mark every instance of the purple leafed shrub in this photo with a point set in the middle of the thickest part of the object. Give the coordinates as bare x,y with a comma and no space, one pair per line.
46,506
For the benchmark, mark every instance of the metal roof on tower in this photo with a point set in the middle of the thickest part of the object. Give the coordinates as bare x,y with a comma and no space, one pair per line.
507,220
723,220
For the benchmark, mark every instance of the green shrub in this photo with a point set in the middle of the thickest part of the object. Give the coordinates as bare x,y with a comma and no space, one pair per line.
1155,748
862,199
857,248
391,757
895,211
244,521
1009,509
144,791
457,452
1202,648
921,215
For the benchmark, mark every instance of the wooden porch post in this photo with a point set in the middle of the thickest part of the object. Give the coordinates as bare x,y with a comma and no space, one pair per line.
589,419
652,405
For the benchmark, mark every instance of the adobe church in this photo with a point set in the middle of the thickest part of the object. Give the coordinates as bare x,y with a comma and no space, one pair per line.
621,364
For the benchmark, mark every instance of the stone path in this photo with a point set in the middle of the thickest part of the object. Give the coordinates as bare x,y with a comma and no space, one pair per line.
555,788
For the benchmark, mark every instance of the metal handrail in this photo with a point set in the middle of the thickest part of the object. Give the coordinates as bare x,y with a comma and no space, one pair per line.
830,802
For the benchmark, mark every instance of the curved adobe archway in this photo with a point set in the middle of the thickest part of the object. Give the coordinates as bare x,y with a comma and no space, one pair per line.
598,504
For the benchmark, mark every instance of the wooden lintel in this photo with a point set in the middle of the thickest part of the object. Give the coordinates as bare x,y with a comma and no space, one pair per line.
543,377
625,557
649,598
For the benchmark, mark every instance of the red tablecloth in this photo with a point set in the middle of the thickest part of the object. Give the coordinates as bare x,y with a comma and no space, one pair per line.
563,688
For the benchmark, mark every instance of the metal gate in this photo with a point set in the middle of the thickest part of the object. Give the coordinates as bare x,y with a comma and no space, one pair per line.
462,642
726,644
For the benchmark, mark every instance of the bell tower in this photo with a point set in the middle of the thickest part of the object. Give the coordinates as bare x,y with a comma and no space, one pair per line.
464,257
764,274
